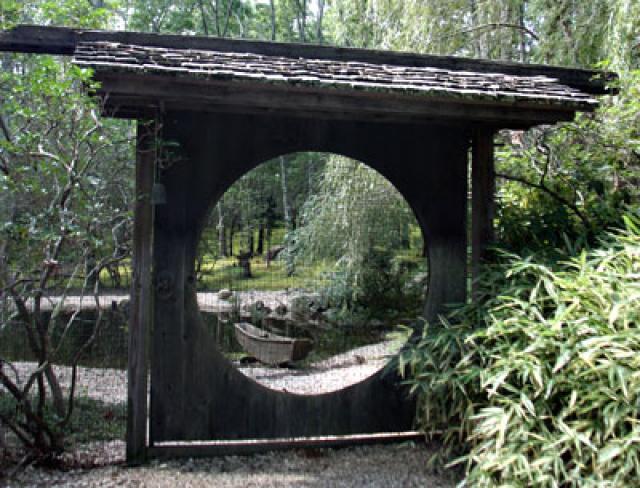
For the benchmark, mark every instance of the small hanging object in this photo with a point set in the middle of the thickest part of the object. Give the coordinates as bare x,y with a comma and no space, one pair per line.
158,194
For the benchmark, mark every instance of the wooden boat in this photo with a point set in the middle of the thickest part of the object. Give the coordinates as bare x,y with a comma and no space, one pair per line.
270,348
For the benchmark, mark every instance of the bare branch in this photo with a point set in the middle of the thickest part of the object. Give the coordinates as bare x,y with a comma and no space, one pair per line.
492,25
273,20
5,129
550,192
203,16
83,349
227,18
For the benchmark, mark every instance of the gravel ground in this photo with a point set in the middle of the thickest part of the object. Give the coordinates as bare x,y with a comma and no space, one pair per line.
101,464
110,385
208,301
107,385
328,375
396,465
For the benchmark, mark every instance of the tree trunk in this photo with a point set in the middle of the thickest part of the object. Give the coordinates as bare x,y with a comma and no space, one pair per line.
285,198
59,404
475,22
287,218
227,18
523,39
273,20
222,243
268,241
319,36
301,18
250,240
260,246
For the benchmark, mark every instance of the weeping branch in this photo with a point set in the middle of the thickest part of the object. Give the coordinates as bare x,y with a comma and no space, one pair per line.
491,26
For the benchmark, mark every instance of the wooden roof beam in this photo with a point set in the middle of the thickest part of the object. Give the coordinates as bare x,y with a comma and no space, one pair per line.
124,94
63,41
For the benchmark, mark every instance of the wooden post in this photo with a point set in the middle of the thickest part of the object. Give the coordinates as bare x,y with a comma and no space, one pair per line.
482,200
141,295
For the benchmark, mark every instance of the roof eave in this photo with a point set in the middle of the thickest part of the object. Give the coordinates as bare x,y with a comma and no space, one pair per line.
130,95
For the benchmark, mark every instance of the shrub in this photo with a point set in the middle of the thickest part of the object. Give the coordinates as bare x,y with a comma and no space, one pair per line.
541,385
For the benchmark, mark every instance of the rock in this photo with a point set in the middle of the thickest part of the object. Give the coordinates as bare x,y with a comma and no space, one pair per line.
259,307
281,309
225,294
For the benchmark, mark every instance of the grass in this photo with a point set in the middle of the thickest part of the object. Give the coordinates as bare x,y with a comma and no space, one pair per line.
225,273
217,273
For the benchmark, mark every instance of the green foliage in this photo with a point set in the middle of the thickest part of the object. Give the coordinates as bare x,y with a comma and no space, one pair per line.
65,192
563,32
574,180
72,13
539,386
359,221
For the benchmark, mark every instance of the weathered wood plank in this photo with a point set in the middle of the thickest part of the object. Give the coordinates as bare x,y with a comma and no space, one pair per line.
169,359
61,40
141,296
482,200
191,379
131,93
240,448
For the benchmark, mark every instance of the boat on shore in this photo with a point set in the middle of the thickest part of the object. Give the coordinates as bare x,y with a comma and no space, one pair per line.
270,348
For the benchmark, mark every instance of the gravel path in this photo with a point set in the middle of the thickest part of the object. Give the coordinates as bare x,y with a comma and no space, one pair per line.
331,374
110,385
390,466
208,301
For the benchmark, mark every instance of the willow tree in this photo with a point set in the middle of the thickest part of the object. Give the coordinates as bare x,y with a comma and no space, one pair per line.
355,218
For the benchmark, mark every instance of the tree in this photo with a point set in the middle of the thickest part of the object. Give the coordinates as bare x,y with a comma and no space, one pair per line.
355,216
63,180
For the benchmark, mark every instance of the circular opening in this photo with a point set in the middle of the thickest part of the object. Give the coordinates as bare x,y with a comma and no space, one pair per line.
310,270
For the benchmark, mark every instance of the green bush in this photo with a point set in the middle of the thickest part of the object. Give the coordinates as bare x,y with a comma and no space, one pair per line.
573,179
541,385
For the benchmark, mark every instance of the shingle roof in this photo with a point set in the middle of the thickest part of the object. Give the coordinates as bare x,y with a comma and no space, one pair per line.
334,74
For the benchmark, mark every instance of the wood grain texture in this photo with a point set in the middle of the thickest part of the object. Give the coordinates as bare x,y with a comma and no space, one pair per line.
141,296
239,448
483,199
197,394
131,95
